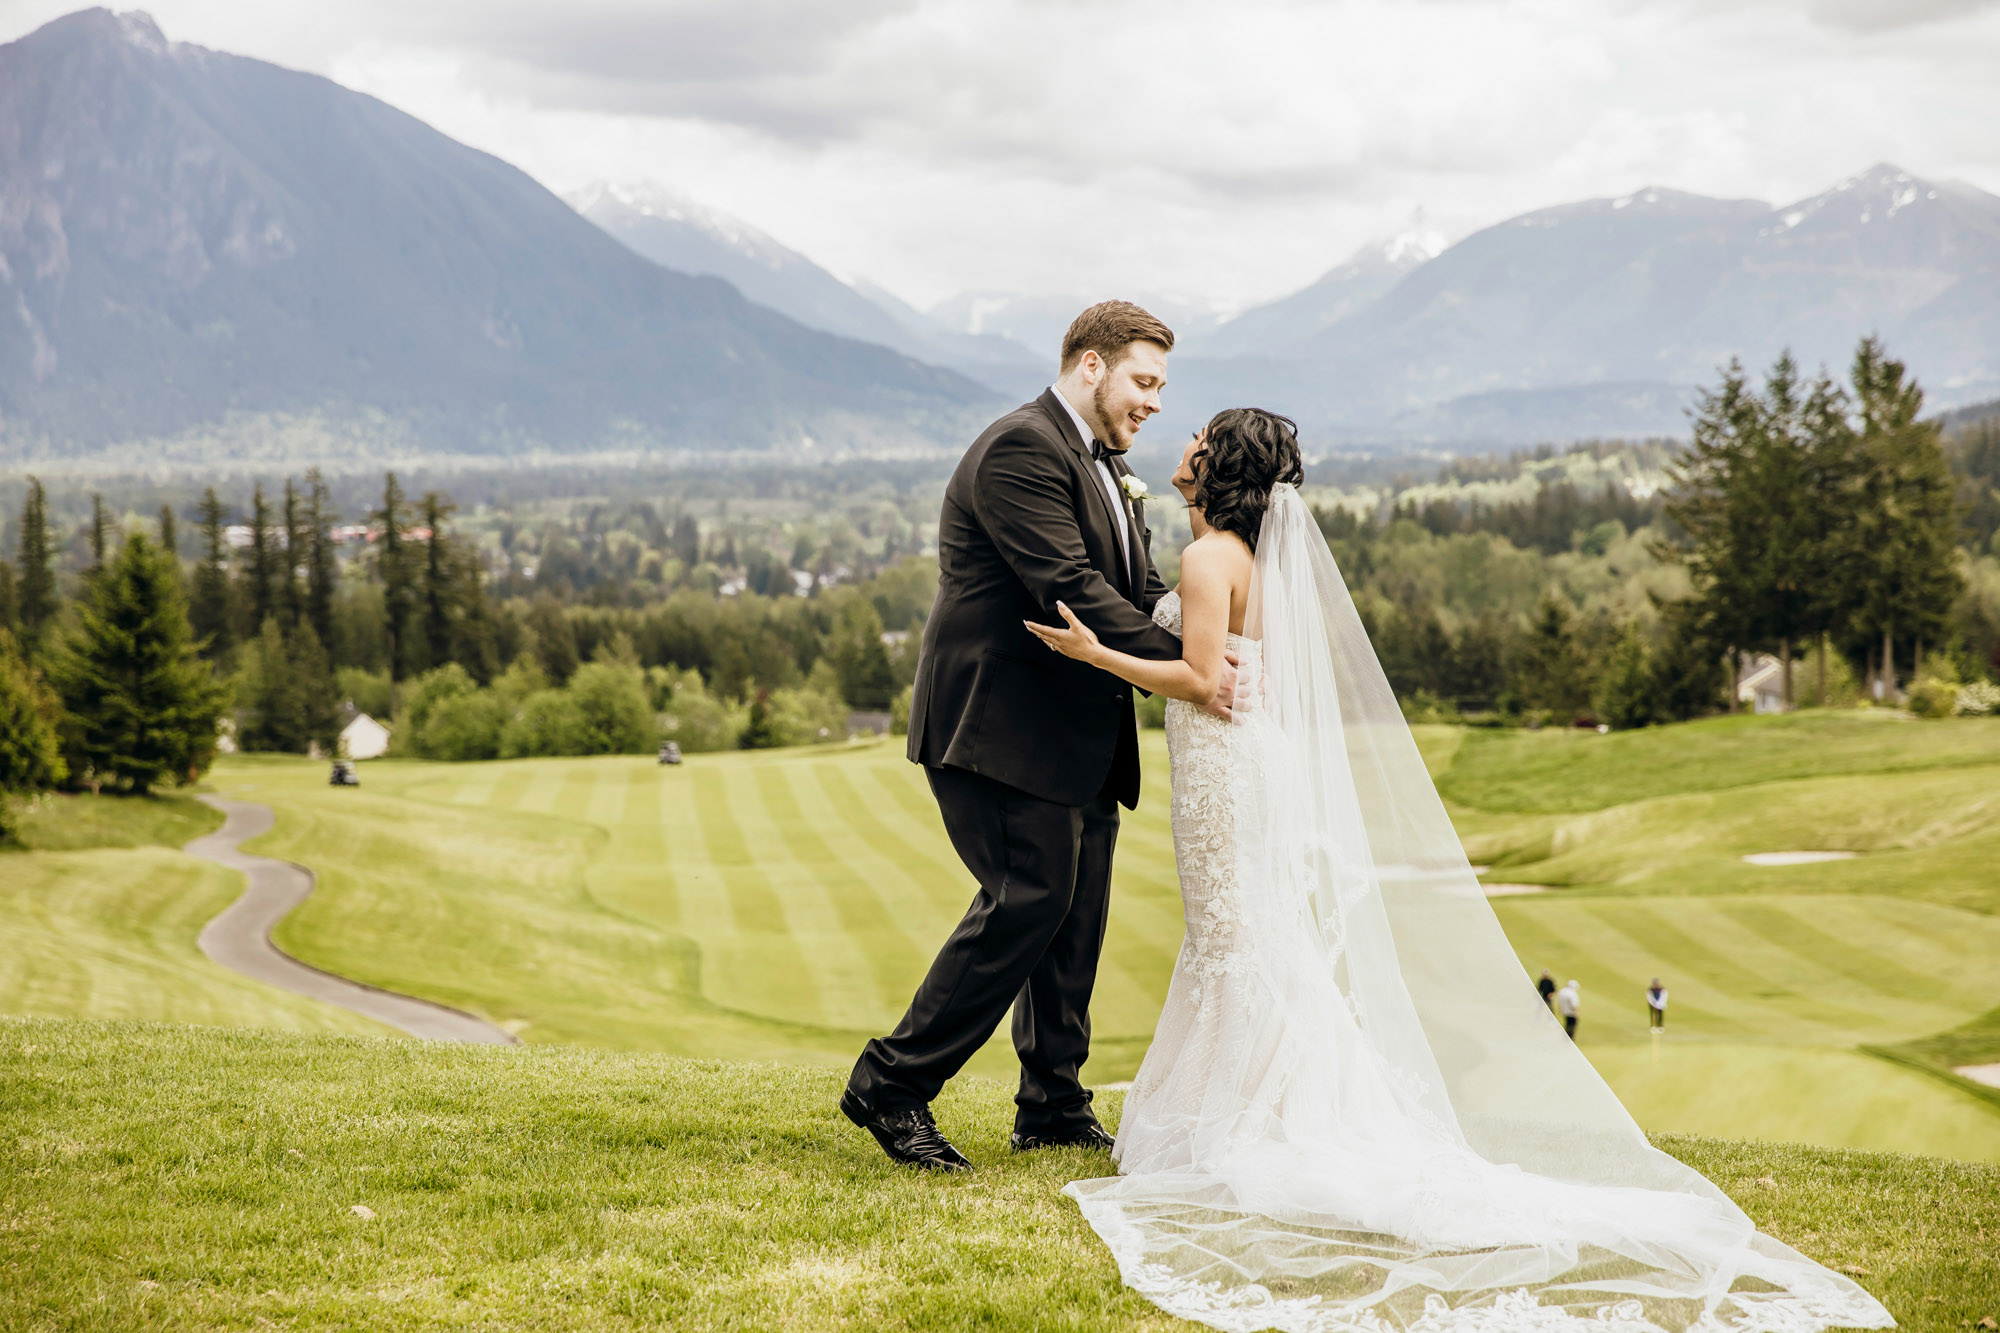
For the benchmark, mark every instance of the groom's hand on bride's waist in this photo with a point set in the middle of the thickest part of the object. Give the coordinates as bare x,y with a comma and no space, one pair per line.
1225,689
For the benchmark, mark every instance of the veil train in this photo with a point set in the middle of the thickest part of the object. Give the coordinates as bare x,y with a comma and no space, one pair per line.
1375,1122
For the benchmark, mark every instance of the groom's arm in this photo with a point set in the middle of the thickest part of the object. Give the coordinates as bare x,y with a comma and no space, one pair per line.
1024,501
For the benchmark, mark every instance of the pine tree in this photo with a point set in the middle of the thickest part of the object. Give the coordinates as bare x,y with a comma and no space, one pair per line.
1908,539
1551,672
100,533
261,577
291,596
35,575
30,756
393,568
170,535
142,705
439,593
10,600
322,573
287,702
210,614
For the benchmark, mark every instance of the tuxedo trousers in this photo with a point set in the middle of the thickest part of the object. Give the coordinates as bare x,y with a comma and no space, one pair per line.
1030,939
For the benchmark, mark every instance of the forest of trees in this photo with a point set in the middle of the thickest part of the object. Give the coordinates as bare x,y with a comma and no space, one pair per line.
1808,519
1826,522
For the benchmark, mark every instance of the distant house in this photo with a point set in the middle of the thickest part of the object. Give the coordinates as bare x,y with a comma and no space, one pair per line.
1760,682
364,738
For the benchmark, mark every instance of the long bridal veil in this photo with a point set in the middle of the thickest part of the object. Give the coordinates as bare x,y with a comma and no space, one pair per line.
1386,1127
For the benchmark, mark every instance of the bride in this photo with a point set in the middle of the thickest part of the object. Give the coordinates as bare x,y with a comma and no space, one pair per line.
1356,1113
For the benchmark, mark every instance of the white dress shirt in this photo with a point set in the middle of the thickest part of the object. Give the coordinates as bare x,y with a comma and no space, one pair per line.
1105,474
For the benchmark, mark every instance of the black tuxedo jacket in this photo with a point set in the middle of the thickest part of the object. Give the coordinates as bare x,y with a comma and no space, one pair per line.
1026,524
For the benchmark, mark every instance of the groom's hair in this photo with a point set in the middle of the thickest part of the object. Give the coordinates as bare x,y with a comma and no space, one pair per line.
1109,329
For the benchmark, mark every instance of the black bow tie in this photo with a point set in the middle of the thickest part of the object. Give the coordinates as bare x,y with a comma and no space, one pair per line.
1101,453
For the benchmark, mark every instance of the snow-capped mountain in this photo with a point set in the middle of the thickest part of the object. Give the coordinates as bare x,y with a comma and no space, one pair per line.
1342,291
1609,311
689,237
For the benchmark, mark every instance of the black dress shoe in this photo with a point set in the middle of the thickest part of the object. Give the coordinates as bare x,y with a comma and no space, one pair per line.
910,1137
1091,1136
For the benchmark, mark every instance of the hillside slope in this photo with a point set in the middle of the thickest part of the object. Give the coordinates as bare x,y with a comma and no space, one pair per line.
182,1178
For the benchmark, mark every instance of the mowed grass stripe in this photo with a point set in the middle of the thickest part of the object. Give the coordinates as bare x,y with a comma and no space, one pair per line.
707,910
843,980
1962,946
1816,1018
646,872
1784,923
1573,941
929,884
761,965
876,934
1791,965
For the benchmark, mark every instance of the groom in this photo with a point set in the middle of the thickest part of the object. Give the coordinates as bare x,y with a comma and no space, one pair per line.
1029,754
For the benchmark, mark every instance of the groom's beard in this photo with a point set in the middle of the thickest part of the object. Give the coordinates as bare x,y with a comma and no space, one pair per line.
1100,409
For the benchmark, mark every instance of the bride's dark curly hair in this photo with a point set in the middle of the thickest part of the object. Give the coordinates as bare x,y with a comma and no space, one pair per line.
1248,451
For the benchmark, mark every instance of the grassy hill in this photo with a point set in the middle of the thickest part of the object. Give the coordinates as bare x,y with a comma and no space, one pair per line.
194,1178
781,905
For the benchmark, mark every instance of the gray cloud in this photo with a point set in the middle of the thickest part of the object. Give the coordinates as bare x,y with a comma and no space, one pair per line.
1882,15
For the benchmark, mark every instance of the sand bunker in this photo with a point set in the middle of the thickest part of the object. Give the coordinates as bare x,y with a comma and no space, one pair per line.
1796,858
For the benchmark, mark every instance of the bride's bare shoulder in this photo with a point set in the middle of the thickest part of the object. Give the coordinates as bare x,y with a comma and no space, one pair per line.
1217,555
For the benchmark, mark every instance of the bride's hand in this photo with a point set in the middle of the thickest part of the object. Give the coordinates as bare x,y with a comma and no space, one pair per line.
1077,641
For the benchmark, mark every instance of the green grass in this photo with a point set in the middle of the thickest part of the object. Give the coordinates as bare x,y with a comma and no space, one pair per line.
1560,769
782,905
190,1178
59,822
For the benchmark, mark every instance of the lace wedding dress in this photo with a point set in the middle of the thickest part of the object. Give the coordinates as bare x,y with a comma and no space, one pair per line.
1356,1113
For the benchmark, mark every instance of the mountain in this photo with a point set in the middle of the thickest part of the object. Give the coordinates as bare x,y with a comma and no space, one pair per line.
1342,291
1590,317
191,240
1040,321
687,236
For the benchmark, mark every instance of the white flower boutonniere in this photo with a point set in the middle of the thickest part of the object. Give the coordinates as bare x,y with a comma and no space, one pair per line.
1135,489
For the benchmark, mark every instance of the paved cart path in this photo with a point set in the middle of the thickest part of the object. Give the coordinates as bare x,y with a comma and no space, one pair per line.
240,937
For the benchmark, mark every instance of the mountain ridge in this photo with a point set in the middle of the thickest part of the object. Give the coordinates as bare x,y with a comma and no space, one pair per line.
187,234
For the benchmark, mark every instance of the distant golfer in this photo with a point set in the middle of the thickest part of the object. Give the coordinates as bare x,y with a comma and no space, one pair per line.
1656,1005
1546,987
1569,1001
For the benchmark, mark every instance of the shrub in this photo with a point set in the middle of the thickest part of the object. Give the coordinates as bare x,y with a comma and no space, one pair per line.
899,712
1934,693
805,717
424,696
547,723
464,726
610,699
369,690
1979,699
696,719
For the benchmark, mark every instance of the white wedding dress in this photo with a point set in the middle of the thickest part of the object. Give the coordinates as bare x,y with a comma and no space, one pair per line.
1356,1113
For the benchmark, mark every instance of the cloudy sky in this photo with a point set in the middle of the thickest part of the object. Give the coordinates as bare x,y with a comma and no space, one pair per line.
1223,152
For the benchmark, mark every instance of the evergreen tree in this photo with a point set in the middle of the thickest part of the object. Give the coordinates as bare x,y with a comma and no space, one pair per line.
1625,691
859,657
100,533
30,756
287,695
35,575
1909,526
322,571
554,639
439,594
170,534
1551,673
142,705
210,614
393,568
291,596
10,600
261,600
